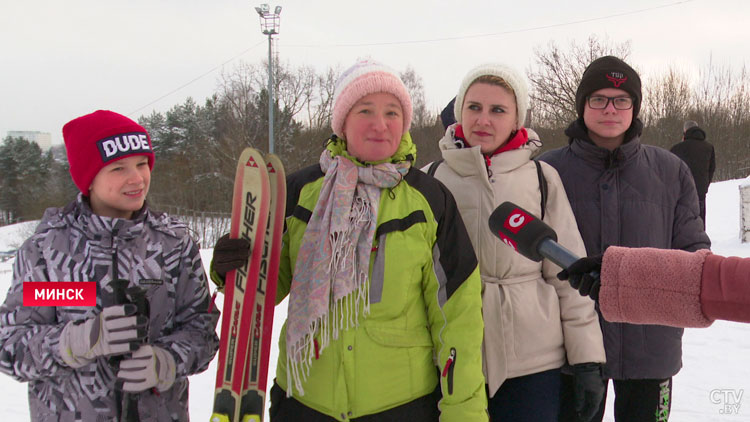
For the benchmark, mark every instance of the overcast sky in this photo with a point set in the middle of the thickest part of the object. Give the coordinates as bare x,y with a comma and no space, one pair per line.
63,59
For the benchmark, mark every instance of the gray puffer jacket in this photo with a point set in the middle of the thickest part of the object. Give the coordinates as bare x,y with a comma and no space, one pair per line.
636,196
157,256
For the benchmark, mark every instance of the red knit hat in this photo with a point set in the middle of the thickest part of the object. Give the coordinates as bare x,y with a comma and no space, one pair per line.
100,138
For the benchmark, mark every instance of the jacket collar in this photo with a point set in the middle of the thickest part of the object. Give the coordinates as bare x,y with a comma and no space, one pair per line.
78,215
695,133
582,145
407,151
470,161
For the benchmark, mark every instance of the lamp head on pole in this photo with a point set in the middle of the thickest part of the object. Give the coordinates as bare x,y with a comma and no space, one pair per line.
269,22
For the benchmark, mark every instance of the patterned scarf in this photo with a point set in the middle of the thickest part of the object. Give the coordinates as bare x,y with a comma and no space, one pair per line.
330,288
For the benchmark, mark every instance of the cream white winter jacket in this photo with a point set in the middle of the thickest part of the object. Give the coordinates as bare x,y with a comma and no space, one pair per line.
533,321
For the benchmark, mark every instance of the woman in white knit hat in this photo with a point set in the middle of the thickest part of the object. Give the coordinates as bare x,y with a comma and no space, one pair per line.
382,281
534,324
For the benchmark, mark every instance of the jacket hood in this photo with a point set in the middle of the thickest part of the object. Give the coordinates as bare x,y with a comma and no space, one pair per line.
695,133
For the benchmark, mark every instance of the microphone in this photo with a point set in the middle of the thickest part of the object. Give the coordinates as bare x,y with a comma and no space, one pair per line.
528,235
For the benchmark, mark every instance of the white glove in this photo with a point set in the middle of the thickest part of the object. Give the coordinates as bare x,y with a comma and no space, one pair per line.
150,366
113,332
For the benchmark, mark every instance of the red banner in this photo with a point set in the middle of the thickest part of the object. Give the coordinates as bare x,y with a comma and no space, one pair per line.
61,293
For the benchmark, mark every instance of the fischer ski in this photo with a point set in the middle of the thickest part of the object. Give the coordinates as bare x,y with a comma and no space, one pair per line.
250,204
250,293
256,372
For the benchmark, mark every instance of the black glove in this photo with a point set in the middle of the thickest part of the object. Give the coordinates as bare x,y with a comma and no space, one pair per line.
583,275
589,389
229,254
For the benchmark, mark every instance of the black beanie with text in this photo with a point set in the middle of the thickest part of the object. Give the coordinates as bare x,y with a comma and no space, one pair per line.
609,72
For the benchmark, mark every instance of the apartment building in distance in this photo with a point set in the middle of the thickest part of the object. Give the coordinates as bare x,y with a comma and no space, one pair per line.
43,139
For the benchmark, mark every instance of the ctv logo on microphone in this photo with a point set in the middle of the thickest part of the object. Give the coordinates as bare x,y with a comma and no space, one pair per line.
516,221
508,241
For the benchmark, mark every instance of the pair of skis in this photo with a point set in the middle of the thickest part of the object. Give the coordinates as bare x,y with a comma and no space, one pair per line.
258,207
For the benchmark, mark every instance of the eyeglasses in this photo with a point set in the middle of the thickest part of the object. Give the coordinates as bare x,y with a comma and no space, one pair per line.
620,103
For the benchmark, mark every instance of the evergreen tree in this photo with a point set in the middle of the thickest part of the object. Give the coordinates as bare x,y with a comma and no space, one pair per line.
24,171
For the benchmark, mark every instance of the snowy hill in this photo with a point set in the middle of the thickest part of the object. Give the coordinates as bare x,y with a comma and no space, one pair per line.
710,387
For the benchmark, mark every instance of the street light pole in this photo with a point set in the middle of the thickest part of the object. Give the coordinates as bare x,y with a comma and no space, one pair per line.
270,97
269,25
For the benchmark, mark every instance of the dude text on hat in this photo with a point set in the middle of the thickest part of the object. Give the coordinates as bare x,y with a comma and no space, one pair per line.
118,146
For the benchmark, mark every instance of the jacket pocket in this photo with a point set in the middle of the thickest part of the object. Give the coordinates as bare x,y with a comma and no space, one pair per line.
395,282
536,325
155,280
398,337
450,364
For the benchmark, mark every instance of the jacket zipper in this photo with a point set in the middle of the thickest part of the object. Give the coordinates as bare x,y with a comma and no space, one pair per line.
450,364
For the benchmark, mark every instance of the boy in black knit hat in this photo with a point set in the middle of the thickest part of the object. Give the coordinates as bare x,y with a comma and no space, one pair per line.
608,100
625,193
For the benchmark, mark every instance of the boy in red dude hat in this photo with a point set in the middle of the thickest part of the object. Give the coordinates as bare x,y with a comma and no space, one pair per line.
121,357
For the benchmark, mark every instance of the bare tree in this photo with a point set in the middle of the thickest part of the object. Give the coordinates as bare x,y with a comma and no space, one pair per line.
722,107
293,87
236,100
420,116
667,101
667,97
556,73
319,111
739,102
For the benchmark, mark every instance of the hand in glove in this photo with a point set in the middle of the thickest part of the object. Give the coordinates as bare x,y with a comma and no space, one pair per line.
583,275
150,366
116,330
229,254
589,389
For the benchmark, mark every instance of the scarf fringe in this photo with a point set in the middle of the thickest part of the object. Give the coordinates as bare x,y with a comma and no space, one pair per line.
330,286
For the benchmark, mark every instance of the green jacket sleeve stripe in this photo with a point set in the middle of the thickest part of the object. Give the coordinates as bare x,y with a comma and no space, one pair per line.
454,250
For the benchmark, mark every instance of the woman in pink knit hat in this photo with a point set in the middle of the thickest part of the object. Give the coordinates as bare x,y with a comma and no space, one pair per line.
384,319
665,286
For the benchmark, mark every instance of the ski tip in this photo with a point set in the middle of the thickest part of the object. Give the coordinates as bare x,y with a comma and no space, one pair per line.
250,418
219,417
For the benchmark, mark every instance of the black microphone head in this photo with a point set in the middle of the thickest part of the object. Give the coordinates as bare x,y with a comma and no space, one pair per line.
520,229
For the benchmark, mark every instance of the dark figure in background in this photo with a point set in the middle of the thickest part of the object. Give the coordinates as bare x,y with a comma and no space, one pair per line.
446,116
698,154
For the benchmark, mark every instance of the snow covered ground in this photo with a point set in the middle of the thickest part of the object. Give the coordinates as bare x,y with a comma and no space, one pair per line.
714,384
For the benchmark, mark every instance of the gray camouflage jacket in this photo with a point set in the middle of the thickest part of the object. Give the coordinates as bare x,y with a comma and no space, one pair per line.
157,257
